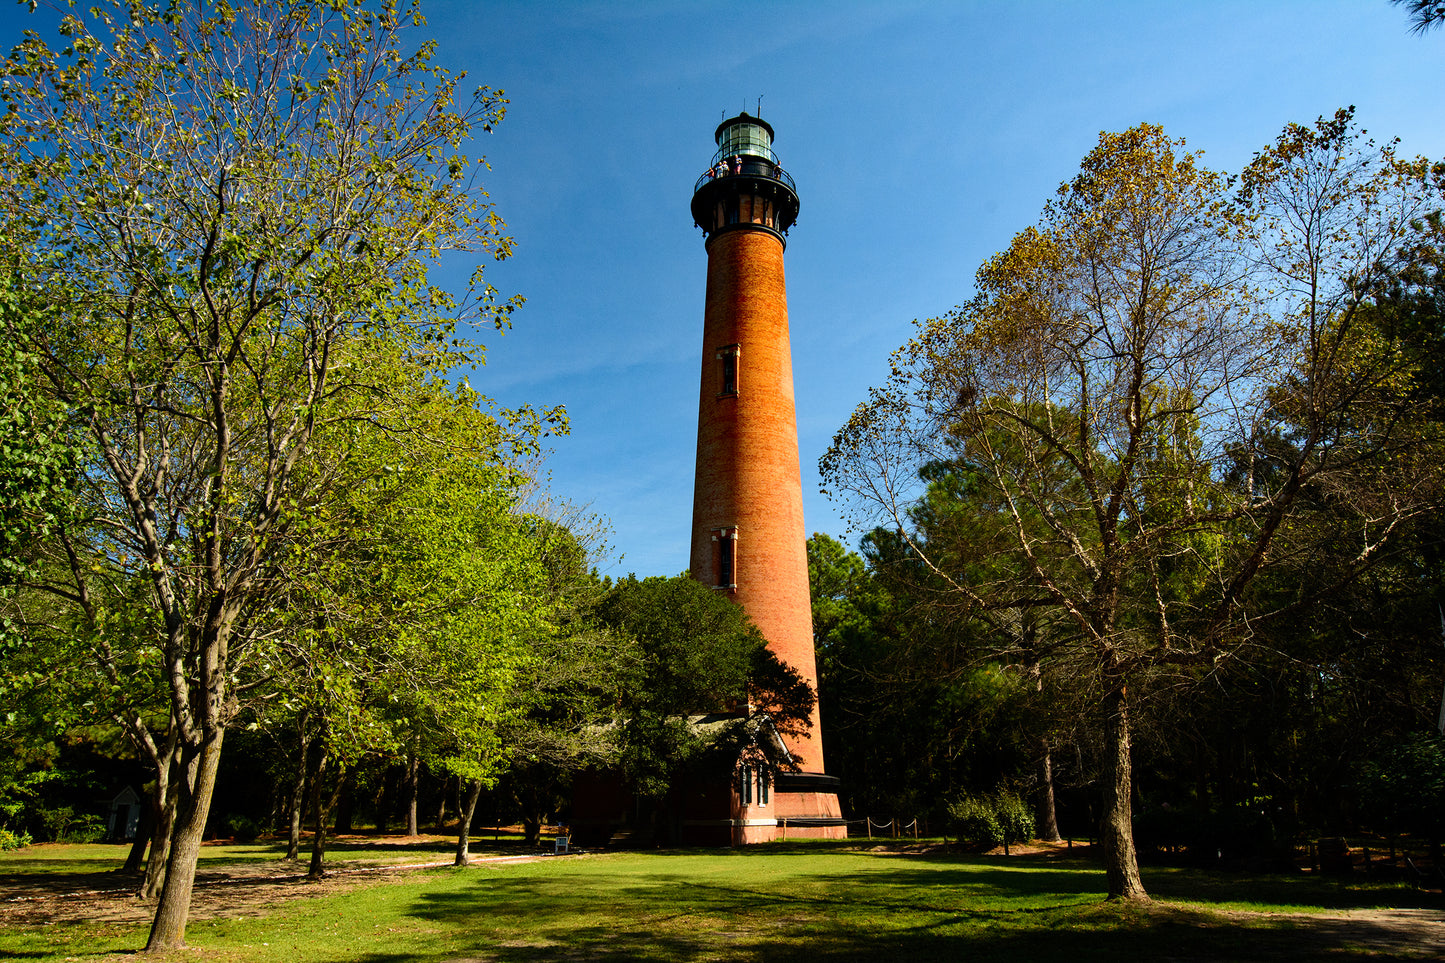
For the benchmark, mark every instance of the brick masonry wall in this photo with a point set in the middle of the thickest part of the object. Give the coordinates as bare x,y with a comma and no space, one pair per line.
748,476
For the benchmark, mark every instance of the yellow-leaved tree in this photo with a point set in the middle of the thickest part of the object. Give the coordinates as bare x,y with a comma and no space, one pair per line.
1140,393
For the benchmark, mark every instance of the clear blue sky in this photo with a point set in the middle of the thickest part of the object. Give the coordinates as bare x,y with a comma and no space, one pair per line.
922,136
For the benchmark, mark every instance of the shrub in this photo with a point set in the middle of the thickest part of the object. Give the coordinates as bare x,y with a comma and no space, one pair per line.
89,828
1402,790
63,826
56,821
991,820
242,829
1016,816
9,840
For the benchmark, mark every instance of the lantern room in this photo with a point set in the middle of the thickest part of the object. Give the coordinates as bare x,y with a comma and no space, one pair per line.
745,186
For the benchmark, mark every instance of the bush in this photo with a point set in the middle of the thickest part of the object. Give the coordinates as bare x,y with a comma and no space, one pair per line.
1402,790
242,829
9,840
991,820
63,826
1017,817
89,828
56,821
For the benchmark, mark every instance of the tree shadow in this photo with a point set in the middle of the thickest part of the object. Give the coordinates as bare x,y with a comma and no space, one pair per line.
1173,934
938,908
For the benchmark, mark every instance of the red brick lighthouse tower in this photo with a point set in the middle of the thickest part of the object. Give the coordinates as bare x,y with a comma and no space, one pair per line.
748,537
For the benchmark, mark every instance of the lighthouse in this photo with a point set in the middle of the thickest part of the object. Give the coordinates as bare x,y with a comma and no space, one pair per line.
748,538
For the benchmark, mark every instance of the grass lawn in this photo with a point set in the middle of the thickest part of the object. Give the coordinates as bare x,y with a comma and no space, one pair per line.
788,902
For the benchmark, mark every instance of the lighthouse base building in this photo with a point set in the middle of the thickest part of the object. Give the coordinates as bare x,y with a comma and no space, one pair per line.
736,802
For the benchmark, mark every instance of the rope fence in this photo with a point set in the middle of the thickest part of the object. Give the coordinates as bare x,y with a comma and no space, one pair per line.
894,826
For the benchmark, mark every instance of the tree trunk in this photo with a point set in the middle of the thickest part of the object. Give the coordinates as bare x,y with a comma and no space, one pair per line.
193,806
293,829
441,823
318,842
345,806
298,797
1121,863
531,827
280,805
167,797
321,812
381,802
533,812
413,766
1047,815
464,821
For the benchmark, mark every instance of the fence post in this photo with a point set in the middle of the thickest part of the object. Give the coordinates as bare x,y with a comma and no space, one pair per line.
785,829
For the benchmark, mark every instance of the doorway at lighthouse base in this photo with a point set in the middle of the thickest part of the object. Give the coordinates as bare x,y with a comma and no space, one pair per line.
726,799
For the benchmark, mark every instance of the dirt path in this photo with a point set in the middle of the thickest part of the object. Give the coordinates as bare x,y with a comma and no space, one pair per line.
1407,933
230,891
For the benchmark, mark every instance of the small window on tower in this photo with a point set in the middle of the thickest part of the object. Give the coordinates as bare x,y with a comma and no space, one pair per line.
727,358
726,540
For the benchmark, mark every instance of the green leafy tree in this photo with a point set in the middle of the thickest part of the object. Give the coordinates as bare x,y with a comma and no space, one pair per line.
39,452
39,461
916,699
1404,787
418,597
697,653
221,207
567,693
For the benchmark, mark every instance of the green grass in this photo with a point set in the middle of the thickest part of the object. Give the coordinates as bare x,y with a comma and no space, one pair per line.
813,903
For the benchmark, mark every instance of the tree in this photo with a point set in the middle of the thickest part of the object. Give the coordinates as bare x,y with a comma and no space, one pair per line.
697,653
567,694
39,455
224,207
1146,384
39,460
1424,14
417,596
917,705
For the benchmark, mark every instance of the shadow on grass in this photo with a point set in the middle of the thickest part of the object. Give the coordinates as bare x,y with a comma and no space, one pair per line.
817,904
941,908
1283,891
1087,934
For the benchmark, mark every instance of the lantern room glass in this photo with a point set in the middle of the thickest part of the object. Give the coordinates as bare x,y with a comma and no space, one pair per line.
746,139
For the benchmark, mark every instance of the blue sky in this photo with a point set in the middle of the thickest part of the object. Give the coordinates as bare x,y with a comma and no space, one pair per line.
922,136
